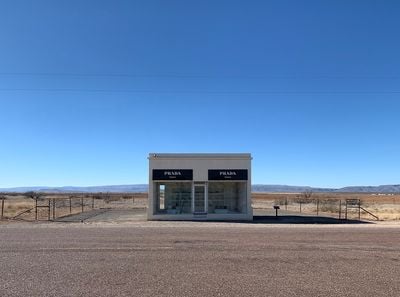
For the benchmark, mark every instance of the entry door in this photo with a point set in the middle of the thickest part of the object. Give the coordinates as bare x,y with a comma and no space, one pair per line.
199,198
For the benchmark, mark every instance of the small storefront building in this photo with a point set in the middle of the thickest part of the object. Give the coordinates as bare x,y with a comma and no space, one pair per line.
200,187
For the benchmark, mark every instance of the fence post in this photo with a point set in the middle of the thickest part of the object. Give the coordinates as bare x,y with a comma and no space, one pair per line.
286,203
54,209
92,202
359,209
2,207
70,205
82,204
133,200
49,212
300,206
317,206
36,214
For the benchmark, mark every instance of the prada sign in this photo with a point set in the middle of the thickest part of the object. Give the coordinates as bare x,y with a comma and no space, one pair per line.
228,174
172,174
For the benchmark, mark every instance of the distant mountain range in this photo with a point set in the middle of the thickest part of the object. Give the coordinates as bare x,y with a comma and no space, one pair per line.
299,189
255,188
93,189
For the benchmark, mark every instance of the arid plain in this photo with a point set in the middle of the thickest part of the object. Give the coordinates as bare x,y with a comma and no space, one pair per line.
114,251
385,206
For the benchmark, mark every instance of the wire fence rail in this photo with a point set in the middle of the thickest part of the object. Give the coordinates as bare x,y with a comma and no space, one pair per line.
33,206
340,208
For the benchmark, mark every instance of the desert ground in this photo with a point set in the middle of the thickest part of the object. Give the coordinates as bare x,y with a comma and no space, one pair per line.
110,249
56,205
385,207
198,259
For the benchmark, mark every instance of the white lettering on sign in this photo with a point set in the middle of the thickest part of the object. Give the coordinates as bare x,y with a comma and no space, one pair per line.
172,173
227,173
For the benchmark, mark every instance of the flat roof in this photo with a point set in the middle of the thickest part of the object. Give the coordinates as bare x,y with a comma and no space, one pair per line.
200,156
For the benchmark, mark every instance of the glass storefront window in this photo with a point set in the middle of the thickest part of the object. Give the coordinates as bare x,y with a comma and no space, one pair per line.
227,197
173,197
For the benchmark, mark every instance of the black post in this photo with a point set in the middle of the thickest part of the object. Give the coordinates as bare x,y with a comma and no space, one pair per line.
286,203
82,203
49,210
359,210
317,206
70,205
2,207
36,214
345,215
340,209
276,207
54,209
92,202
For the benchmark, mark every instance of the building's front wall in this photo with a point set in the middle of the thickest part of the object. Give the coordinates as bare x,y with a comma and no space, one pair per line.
192,195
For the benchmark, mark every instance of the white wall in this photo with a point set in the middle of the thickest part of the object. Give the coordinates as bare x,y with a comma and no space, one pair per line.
200,163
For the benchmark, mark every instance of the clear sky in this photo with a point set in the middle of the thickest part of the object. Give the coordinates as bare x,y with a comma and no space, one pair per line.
89,88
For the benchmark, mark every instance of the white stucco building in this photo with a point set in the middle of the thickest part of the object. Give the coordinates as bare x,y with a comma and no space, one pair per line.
200,187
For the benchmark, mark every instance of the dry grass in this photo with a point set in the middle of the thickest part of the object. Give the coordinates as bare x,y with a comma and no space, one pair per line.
386,207
21,207
13,207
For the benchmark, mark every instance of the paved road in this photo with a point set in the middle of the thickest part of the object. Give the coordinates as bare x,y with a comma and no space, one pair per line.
198,259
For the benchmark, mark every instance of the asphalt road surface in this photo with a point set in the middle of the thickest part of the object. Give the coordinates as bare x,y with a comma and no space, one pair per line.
198,259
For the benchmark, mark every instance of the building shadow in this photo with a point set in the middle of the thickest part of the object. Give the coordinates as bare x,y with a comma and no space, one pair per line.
299,219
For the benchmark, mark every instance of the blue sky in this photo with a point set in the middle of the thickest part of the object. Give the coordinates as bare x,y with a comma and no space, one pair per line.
89,88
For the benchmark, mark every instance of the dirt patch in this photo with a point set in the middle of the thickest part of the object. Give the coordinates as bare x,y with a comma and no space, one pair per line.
386,207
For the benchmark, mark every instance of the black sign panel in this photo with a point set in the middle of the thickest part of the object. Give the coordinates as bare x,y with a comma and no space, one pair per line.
228,174
172,174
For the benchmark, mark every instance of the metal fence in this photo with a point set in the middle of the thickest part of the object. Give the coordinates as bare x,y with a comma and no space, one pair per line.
338,208
49,207
33,206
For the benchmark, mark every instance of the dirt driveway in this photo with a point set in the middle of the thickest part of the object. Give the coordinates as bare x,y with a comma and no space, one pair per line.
107,215
110,215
